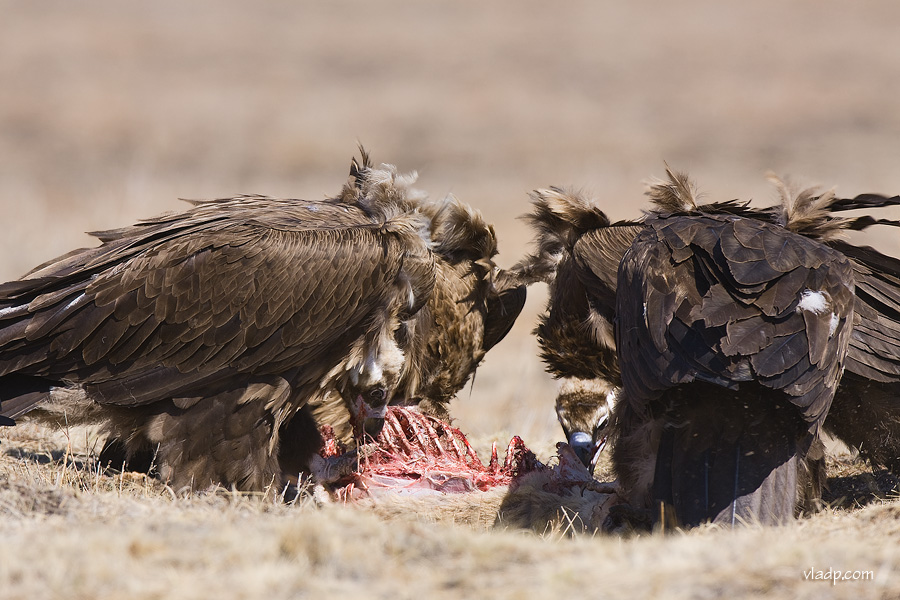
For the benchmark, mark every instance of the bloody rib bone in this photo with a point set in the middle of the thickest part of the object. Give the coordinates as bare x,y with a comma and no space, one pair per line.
416,452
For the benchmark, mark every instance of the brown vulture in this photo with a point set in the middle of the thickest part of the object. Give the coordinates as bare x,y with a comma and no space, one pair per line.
216,341
722,331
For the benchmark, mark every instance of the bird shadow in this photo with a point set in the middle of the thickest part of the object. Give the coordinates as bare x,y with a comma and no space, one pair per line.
860,489
47,457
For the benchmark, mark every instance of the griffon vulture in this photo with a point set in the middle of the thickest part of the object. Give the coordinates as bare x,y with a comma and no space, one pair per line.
722,331
203,340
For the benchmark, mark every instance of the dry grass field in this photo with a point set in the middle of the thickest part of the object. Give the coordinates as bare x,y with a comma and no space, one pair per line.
110,112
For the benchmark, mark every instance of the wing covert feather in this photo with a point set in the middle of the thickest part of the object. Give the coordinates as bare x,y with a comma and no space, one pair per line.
286,283
711,307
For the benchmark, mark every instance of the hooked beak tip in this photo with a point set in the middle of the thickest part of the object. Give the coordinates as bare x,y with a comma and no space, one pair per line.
600,446
582,445
373,426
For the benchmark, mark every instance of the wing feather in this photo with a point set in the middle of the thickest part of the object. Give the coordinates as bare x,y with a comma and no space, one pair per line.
734,305
213,290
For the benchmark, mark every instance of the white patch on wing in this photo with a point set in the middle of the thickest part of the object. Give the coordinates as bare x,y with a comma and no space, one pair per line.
834,323
814,302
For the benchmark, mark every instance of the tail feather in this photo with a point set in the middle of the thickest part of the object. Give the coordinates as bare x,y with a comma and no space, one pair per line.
811,211
864,201
21,393
732,461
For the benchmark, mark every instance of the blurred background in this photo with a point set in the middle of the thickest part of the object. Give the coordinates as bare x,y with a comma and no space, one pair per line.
111,111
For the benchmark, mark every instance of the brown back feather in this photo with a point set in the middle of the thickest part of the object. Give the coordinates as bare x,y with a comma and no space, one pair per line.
459,232
559,218
677,194
808,211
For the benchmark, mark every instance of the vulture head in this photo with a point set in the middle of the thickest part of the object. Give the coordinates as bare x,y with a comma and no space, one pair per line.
367,390
584,409
471,306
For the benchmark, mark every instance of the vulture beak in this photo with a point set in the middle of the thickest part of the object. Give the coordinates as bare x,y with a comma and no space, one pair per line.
598,448
370,411
583,447
373,425
599,439
588,446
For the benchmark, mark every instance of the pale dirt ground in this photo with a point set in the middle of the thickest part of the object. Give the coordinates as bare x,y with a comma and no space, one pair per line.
111,111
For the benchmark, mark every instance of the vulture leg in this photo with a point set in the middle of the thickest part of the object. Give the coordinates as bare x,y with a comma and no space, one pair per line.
229,438
300,442
115,455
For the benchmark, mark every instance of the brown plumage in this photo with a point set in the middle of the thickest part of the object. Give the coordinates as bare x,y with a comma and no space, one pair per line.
746,306
578,255
207,338
726,317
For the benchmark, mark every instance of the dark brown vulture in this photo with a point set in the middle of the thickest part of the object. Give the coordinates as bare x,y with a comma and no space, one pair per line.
577,335
722,331
205,340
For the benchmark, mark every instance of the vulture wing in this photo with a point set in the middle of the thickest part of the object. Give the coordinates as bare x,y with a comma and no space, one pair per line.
173,305
866,409
758,320
875,345
729,300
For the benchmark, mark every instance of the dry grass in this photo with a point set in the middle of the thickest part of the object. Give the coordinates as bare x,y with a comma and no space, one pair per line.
111,111
70,530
